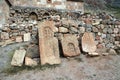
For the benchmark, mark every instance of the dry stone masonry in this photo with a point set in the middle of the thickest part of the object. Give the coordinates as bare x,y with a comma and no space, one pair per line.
60,30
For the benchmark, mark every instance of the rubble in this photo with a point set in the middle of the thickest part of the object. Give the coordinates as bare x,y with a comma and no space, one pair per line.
51,26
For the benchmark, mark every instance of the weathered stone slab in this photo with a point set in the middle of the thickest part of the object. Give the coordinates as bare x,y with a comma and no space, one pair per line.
70,45
88,43
49,51
27,37
19,39
18,57
30,62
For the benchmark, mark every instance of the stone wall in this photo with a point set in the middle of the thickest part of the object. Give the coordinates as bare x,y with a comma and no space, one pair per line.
22,26
4,12
57,4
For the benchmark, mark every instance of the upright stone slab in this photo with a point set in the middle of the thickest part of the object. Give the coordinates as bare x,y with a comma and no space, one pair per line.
70,45
88,43
48,44
27,37
18,57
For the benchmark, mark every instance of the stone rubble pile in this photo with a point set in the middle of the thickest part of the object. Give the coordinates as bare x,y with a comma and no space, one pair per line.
87,33
19,32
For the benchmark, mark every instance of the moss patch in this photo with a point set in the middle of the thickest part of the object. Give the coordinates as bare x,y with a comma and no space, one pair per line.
14,70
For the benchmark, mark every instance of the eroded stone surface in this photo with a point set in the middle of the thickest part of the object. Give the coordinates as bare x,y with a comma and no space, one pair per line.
27,37
18,57
19,39
88,43
70,45
49,51
30,62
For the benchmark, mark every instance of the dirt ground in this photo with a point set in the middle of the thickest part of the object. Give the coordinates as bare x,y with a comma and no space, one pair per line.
80,68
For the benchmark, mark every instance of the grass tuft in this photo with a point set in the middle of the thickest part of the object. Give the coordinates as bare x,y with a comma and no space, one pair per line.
13,70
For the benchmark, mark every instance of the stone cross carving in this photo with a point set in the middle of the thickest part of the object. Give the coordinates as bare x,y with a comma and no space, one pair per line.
48,44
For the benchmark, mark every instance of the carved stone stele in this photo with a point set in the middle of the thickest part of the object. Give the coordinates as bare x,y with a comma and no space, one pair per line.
48,44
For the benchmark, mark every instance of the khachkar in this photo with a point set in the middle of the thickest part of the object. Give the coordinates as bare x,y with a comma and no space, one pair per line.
48,44
70,45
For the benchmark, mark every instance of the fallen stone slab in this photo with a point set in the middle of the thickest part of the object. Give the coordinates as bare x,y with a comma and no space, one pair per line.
88,43
70,45
30,62
48,44
18,57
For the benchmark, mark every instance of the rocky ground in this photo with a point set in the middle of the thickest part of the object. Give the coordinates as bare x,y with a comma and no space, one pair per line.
79,68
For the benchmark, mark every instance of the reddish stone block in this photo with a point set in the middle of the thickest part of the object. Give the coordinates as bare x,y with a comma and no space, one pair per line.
48,44
70,45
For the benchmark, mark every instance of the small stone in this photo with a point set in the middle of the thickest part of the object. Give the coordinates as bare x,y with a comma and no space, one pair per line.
73,30
93,54
117,42
18,57
27,37
6,29
82,29
102,26
109,45
37,60
99,33
97,22
112,52
97,38
14,26
88,30
105,30
19,39
112,35
100,46
63,30
95,29
116,30
30,62
108,36
105,54
110,30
